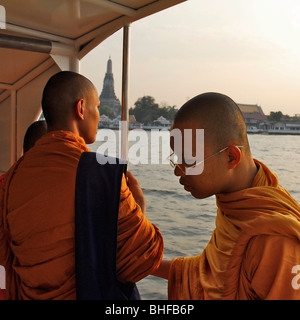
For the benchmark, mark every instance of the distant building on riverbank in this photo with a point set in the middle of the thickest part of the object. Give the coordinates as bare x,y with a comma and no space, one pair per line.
257,122
108,96
255,119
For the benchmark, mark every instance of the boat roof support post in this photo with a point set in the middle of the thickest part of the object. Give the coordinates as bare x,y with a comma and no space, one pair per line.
74,64
125,94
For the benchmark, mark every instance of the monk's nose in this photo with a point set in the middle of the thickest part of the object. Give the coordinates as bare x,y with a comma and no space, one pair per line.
178,171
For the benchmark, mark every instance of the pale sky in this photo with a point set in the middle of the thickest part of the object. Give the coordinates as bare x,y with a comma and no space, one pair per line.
248,50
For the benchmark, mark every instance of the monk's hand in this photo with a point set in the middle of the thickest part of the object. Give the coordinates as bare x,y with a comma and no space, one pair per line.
136,191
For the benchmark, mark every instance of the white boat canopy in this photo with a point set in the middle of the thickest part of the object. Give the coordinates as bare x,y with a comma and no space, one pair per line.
41,37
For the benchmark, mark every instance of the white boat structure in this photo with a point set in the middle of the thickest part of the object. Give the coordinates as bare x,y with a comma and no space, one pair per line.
251,129
279,128
160,123
39,38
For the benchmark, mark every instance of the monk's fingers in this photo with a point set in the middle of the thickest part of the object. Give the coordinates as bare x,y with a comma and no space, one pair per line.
131,179
136,191
134,185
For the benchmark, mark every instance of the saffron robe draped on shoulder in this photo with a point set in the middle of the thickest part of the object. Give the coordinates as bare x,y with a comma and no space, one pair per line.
37,221
253,250
1,292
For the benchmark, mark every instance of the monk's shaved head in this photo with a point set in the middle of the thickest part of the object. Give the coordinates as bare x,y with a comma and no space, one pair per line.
219,116
34,132
61,94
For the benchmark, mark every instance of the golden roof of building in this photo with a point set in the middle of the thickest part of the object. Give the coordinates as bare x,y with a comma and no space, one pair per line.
250,108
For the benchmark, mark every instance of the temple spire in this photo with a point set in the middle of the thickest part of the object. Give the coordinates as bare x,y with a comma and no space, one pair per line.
109,66
108,96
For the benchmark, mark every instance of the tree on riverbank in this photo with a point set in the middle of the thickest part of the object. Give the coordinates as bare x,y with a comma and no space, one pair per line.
278,116
275,116
103,109
146,110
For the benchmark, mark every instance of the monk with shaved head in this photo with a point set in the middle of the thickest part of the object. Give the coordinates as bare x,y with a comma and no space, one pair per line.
33,133
224,127
70,227
67,89
254,251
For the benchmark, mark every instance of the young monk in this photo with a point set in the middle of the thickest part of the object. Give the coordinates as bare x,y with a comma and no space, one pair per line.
254,251
34,132
37,205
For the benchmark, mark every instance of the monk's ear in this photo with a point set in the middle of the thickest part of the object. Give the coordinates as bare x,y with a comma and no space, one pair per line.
234,156
80,109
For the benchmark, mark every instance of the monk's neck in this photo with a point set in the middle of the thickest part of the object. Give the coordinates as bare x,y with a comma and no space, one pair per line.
244,176
64,127
248,175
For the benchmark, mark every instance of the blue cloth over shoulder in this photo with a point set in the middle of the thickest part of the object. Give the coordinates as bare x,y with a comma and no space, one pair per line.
98,185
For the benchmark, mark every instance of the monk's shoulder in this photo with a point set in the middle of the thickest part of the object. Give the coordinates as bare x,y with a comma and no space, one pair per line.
269,255
271,248
268,263
262,244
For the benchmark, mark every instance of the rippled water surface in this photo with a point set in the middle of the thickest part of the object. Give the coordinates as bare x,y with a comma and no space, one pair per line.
186,223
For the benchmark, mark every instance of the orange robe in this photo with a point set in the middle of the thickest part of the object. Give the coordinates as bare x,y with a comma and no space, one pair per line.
1,181
254,251
37,224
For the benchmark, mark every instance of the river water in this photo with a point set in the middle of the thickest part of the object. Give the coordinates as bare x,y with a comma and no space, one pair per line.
186,223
